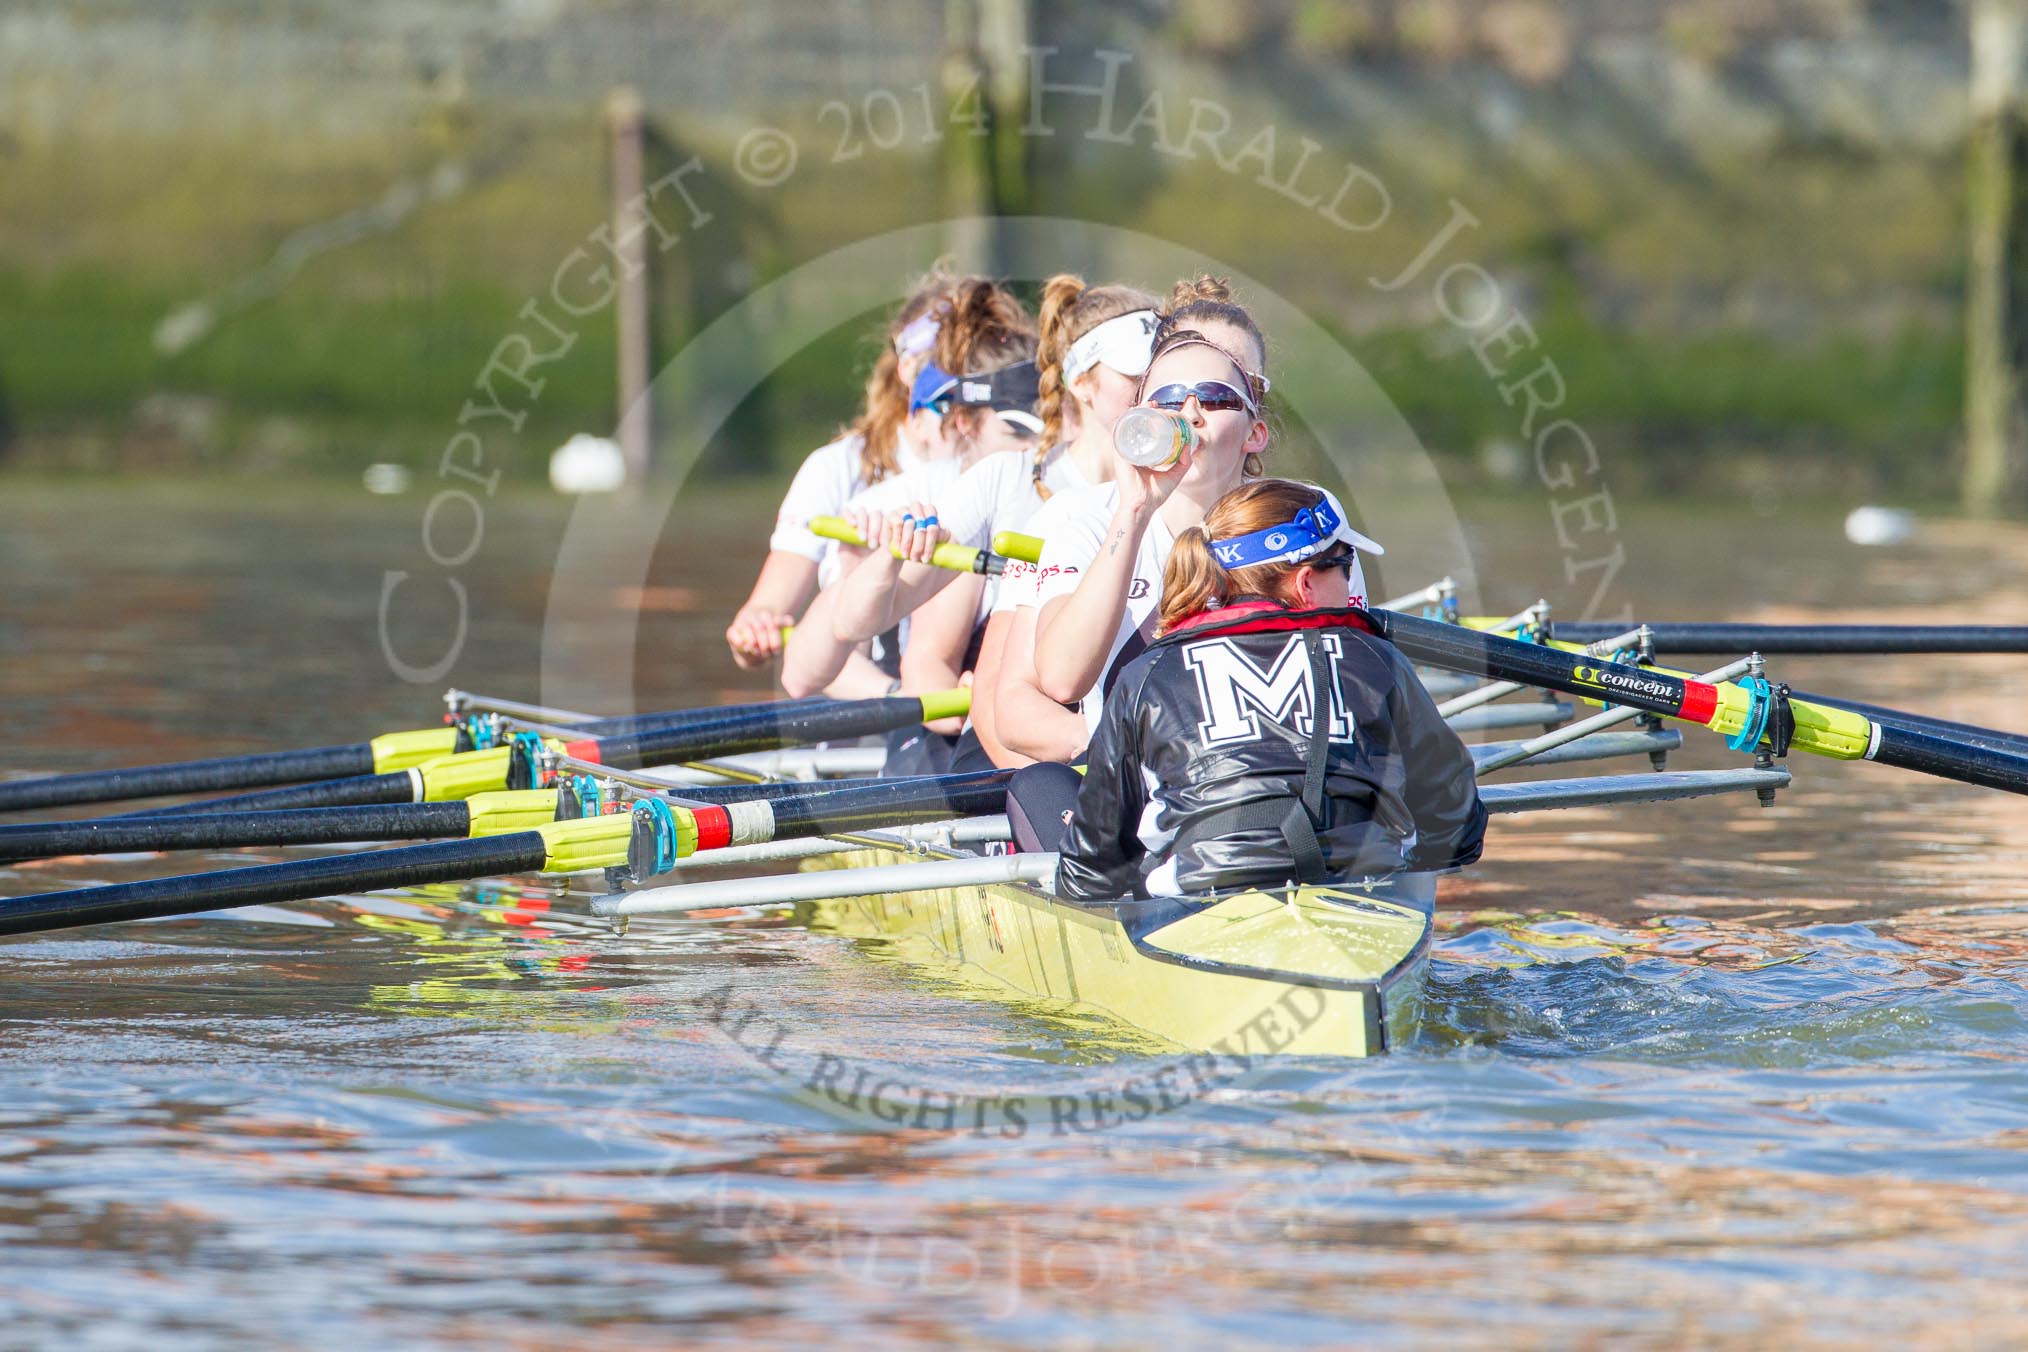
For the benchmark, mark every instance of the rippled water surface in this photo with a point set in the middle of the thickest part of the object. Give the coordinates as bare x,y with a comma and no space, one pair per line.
1704,1072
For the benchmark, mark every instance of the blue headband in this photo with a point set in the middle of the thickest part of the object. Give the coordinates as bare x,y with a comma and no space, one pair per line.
934,383
1291,542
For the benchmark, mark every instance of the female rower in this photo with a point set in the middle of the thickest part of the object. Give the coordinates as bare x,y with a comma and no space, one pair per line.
985,347
1269,734
875,447
1094,341
1100,579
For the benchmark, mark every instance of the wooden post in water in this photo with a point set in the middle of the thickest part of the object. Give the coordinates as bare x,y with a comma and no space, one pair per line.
1992,197
636,428
966,163
1005,29
984,162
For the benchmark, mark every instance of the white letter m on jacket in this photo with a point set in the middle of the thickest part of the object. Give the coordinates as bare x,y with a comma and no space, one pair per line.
1235,692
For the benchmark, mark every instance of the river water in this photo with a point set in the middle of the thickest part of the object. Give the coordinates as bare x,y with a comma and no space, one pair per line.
1708,1073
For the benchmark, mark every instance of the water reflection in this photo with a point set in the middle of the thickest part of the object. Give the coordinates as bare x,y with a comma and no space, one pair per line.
1705,1073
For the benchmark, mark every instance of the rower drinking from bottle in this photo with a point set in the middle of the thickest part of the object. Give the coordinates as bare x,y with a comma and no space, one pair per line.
1100,579
1094,343
1269,734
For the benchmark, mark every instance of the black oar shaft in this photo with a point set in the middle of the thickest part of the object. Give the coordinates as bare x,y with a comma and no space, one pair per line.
1800,639
225,830
361,791
267,884
295,767
873,806
1460,649
762,730
1910,749
199,776
717,713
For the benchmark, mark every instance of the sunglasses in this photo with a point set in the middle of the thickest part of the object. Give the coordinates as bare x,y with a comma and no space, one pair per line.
1342,561
1210,395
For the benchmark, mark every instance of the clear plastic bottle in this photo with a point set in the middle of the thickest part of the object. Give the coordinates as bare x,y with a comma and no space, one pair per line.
1152,438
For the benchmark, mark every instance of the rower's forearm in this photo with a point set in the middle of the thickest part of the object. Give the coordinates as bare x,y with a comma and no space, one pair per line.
1073,634
814,657
1033,726
861,678
785,585
865,602
1071,641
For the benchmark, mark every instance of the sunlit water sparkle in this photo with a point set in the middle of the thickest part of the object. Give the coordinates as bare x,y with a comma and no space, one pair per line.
1705,1072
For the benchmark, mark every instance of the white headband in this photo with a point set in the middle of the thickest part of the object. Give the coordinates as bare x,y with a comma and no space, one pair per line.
1125,343
919,335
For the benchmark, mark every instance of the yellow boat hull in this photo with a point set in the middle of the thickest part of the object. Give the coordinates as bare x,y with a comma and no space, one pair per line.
1312,971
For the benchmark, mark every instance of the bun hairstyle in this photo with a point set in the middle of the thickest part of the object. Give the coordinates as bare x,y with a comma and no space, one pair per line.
1205,299
885,406
1069,311
1194,580
987,328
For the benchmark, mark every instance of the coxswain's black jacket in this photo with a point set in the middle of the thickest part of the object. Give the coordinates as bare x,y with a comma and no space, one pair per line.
1204,775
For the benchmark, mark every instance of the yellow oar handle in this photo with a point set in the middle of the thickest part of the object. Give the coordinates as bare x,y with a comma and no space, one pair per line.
1015,545
957,558
401,750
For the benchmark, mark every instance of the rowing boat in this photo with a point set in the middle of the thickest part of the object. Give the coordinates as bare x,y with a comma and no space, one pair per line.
905,865
1328,971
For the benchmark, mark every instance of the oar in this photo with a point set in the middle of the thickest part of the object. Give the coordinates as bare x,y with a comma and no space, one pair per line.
763,727
1992,738
655,830
760,732
666,831
487,814
1725,707
483,814
389,753
555,847
1040,868
1809,639
958,558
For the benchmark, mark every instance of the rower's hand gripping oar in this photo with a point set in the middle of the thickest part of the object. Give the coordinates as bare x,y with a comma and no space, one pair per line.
1738,711
958,558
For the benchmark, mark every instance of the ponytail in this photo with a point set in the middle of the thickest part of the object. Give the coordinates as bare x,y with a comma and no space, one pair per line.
1053,320
1069,311
884,406
879,424
988,327
1192,580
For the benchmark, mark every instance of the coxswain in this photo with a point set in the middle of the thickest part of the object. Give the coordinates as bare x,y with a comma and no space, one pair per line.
1269,735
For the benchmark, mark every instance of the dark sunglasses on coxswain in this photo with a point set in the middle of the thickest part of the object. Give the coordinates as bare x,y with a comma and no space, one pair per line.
1210,394
1342,561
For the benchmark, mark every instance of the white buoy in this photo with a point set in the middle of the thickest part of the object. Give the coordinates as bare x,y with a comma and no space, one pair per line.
1879,526
588,464
387,478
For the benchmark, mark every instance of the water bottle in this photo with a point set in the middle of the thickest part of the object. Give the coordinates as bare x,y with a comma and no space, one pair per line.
1152,438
